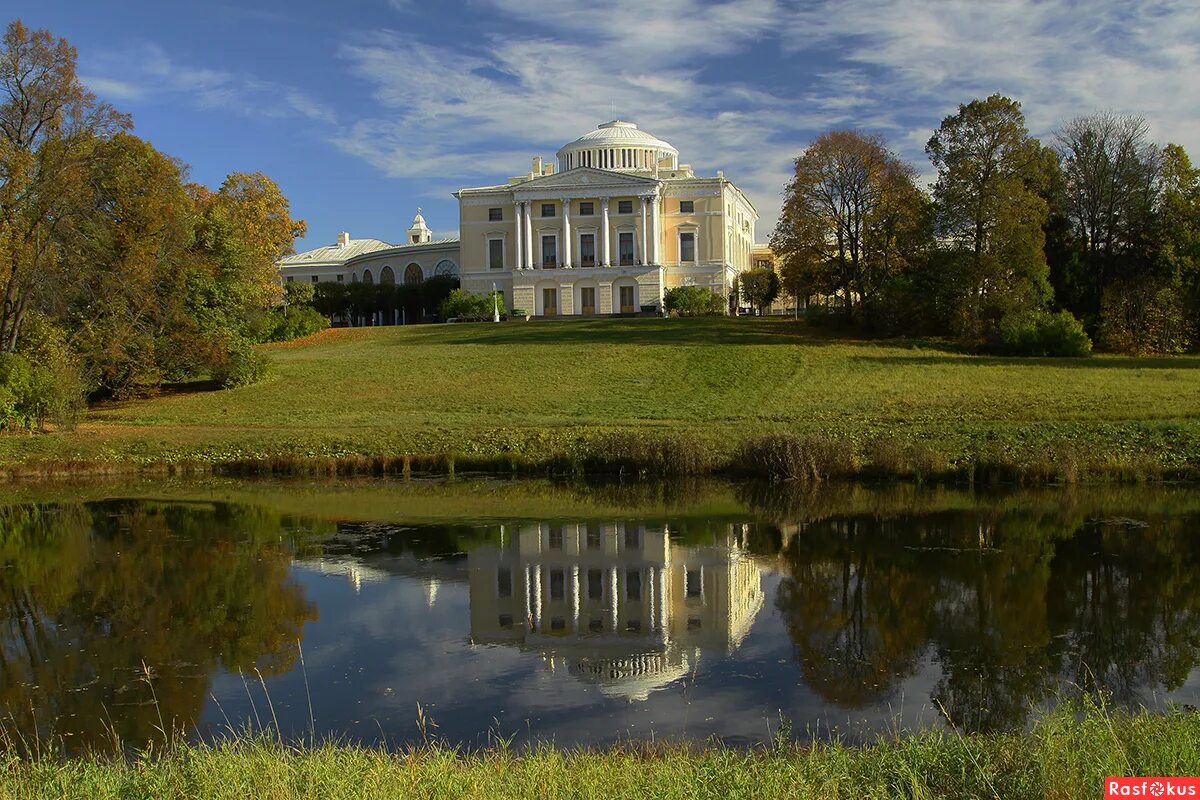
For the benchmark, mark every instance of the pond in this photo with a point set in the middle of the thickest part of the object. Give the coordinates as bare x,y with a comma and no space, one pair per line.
387,612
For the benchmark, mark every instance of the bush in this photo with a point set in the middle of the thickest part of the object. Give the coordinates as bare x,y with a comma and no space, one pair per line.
646,454
693,301
1040,333
784,456
461,304
242,366
297,322
58,390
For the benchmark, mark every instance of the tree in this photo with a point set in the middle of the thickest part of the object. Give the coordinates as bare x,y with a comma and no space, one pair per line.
1110,171
760,287
990,209
852,219
49,127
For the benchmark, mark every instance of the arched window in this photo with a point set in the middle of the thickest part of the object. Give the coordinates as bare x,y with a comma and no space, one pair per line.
413,274
367,276
387,276
445,268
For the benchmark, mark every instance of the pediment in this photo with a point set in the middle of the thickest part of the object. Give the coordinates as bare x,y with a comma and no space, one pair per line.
586,178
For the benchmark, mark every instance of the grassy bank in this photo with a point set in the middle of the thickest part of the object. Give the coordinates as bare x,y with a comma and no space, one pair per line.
1063,756
685,396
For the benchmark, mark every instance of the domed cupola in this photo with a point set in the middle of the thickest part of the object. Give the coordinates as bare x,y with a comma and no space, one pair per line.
619,146
419,232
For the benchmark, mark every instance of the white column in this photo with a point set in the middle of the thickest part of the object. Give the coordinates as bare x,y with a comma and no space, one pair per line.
605,234
645,258
662,597
528,597
653,617
656,242
612,579
518,253
529,248
566,245
537,597
575,599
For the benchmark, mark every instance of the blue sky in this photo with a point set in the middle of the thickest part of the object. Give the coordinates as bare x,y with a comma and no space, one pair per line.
363,110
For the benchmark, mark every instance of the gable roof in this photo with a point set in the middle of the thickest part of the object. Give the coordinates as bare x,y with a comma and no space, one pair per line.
586,176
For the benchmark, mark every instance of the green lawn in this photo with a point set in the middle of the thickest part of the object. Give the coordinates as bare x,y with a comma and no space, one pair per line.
534,389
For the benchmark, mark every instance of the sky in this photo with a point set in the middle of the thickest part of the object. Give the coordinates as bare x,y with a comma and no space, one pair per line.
364,110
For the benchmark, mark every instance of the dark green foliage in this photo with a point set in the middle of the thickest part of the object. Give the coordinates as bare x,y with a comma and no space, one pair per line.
693,301
461,304
759,287
242,366
1040,333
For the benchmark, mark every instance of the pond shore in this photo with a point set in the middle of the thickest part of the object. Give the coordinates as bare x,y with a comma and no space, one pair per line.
753,397
1065,755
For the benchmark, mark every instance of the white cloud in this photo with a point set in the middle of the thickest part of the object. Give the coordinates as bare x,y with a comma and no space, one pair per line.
144,70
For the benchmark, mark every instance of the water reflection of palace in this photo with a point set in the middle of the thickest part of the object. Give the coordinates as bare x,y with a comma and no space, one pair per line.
620,604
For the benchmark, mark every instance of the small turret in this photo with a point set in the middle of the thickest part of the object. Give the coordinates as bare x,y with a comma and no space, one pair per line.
419,232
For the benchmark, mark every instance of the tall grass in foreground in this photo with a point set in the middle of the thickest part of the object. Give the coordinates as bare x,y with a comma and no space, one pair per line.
1065,755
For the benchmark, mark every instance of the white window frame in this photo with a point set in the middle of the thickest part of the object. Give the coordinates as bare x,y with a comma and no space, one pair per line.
501,238
695,232
542,234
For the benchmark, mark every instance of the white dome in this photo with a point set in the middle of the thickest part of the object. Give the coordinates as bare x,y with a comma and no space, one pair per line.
617,145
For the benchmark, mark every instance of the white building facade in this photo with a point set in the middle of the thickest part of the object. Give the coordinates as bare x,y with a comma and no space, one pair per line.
604,229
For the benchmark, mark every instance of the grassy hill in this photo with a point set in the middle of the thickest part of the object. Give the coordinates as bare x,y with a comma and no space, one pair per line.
537,390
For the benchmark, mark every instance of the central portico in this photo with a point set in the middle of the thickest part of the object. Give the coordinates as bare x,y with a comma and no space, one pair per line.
615,225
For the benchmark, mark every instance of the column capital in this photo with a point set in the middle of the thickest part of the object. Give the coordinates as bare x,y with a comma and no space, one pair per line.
604,202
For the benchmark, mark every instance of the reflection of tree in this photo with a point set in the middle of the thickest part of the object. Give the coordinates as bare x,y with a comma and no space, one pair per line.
1127,597
108,587
858,616
990,622
1015,605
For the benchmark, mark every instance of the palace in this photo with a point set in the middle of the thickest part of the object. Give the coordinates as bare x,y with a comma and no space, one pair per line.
604,229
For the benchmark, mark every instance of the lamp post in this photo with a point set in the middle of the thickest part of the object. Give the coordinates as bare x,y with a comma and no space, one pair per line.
495,304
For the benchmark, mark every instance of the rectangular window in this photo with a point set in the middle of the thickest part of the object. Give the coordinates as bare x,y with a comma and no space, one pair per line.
290,279
587,301
496,253
624,206
596,625
547,209
632,540
687,206
549,302
506,621
558,584
549,251
593,536
595,580
633,584
687,247
627,301
504,582
315,279
495,214
341,278
693,581
625,248
587,249
586,209
556,538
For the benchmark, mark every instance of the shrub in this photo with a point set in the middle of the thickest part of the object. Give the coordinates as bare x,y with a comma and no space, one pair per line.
464,305
242,366
297,322
1040,333
785,456
630,453
693,301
